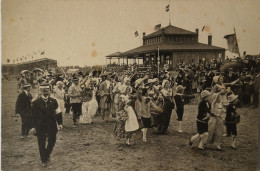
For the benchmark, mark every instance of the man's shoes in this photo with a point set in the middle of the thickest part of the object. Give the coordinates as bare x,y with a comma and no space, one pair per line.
219,149
44,164
48,159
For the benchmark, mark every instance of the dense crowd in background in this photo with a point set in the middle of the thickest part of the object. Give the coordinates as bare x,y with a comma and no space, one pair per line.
143,100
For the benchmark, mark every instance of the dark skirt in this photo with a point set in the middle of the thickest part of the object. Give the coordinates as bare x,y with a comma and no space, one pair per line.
146,122
231,129
202,127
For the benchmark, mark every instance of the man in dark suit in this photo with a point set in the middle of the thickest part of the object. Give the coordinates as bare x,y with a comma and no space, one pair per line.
44,122
23,108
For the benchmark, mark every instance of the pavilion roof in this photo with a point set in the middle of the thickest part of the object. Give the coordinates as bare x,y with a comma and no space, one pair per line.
171,47
116,54
170,30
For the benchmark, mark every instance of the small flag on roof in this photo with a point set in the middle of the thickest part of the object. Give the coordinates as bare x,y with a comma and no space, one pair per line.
203,28
136,34
157,27
167,8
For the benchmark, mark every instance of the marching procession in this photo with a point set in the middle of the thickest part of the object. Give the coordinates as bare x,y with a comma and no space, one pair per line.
137,101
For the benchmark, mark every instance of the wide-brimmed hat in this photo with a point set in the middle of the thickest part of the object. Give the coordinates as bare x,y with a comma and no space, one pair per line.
26,85
59,83
151,81
44,86
179,88
232,97
75,79
215,79
205,93
138,82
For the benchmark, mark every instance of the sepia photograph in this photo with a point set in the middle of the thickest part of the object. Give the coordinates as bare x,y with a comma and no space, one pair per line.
130,85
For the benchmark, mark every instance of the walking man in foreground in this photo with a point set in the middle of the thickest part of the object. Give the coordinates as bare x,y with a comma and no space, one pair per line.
44,122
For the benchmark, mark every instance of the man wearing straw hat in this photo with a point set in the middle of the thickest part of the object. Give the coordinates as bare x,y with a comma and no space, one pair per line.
44,122
23,108
74,93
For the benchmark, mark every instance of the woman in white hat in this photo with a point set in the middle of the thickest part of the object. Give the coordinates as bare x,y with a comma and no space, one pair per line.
59,95
164,118
216,123
204,111
232,118
126,120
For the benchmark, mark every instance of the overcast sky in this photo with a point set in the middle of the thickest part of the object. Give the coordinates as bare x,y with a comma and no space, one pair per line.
83,32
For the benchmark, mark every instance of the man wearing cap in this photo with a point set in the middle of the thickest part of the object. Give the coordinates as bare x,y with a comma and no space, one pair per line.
23,108
44,122
74,93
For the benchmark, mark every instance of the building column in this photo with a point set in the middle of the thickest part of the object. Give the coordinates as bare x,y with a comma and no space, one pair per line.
110,61
127,61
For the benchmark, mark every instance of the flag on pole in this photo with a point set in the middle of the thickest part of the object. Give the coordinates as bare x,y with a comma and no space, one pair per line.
42,53
157,27
136,34
232,43
203,28
167,8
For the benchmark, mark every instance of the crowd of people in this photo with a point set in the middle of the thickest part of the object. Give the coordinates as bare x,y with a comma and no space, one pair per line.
137,101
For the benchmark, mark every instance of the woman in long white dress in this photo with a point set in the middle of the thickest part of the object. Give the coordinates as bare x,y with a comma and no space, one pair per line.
59,94
89,106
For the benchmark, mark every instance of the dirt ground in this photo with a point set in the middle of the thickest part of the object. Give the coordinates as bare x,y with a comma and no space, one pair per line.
93,147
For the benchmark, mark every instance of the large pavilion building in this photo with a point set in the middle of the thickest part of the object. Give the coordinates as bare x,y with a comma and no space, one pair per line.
173,45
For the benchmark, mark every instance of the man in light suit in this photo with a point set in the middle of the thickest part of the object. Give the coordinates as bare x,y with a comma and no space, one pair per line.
23,108
44,122
74,93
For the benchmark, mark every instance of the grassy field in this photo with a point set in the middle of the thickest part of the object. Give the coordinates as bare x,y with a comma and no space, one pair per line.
93,147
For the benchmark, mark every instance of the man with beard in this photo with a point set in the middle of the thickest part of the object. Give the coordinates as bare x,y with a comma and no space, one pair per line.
44,122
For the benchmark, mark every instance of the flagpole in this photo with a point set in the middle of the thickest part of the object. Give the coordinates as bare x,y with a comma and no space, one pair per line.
169,12
158,59
237,42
